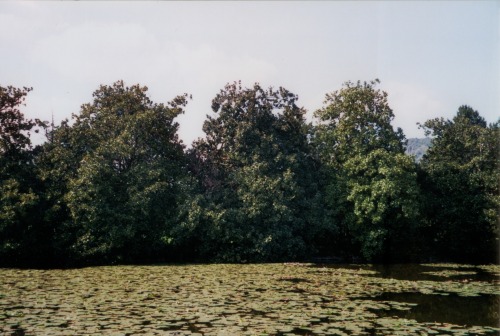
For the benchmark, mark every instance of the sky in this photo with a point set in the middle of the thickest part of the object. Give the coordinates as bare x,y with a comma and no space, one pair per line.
430,56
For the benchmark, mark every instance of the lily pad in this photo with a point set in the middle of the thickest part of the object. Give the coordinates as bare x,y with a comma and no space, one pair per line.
223,299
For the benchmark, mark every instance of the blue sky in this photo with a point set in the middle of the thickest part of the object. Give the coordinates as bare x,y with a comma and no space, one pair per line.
430,56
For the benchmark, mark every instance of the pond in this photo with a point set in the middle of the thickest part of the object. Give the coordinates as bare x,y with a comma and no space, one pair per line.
253,299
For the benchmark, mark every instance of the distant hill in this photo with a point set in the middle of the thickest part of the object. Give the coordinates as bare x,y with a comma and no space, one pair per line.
418,147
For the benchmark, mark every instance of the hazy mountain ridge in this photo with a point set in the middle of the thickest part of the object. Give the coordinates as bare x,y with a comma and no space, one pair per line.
418,147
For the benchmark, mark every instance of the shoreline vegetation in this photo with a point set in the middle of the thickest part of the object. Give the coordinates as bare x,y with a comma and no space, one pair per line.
115,185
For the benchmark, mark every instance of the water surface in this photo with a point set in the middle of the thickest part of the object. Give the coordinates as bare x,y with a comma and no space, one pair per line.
262,299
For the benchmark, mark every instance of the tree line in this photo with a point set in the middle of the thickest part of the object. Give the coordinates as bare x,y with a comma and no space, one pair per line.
115,184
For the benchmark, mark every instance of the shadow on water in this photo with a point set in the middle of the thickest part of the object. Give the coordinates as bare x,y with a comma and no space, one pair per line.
418,272
483,310
470,311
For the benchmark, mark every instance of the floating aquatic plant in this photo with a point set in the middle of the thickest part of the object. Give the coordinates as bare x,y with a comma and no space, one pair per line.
269,299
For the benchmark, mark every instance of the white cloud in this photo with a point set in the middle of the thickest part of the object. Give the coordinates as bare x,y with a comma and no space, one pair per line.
411,105
66,49
101,53
212,66
107,51
97,51
205,70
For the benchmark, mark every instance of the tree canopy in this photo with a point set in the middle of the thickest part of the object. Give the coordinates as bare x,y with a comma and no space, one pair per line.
461,183
20,189
257,170
123,166
115,184
372,187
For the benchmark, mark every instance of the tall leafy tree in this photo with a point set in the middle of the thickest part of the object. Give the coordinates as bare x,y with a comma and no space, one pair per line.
258,174
372,190
118,174
461,184
20,188
355,121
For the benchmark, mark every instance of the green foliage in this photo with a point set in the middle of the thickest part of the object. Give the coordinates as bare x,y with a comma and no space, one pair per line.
384,193
372,190
460,177
15,206
20,205
14,128
116,184
354,121
122,164
258,175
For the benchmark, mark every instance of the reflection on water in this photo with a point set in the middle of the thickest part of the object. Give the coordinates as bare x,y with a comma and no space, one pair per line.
481,310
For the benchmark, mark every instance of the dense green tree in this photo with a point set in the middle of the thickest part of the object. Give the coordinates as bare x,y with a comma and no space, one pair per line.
460,180
117,174
58,163
383,191
371,187
20,204
258,175
114,184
